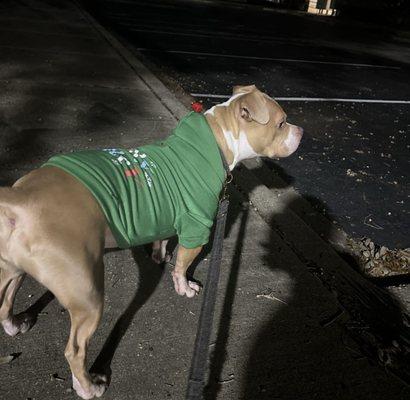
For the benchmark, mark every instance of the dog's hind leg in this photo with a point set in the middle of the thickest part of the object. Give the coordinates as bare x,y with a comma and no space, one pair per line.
10,282
78,284
85,318
159,251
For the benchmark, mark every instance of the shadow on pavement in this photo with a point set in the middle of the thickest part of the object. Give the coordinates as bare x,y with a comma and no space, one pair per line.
219,353
149,277
367,322
295,355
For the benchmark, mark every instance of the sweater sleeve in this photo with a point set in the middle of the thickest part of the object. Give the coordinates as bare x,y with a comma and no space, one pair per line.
193,230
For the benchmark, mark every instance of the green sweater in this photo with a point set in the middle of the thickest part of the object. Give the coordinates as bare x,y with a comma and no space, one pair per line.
155,191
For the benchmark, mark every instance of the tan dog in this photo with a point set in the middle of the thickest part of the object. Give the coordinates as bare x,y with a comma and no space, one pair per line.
40,234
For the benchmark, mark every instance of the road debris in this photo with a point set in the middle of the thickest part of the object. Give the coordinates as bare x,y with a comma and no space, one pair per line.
379,261
369,222
8,359
56,377
270,296
331,319
228,380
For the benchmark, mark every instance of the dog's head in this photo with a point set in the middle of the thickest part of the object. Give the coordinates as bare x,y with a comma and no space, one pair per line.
263,121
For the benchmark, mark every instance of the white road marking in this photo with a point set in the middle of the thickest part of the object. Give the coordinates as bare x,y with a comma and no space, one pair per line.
195,53
310,99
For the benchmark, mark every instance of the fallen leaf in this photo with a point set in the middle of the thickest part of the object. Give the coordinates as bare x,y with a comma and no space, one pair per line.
6,359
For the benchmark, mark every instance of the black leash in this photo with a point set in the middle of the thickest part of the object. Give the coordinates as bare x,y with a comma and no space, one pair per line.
196,381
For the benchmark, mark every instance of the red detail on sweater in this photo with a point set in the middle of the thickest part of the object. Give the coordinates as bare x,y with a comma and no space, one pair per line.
131,172
197,106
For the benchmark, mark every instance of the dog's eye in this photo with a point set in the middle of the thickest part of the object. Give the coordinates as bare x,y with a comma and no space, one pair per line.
282,124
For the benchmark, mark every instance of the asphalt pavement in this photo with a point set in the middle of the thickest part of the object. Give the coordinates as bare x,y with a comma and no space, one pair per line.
346,84
293,320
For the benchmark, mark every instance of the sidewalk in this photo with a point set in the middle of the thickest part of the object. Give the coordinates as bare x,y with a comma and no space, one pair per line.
279,333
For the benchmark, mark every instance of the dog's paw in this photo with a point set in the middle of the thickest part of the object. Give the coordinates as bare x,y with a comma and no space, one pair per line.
156,256
194,286
159,252
24,321
20,323
184,287
95,388
159,258
10,328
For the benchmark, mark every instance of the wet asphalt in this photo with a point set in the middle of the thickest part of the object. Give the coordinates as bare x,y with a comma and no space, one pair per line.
353,162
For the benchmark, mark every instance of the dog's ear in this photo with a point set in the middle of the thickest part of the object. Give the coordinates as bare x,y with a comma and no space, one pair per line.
254,107
243,89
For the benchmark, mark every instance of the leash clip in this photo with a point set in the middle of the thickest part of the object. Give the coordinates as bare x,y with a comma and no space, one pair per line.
229,179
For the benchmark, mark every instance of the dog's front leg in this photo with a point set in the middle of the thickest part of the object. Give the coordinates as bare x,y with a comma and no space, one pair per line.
185,257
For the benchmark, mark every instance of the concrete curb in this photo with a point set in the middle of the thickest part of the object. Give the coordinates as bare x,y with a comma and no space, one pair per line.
163,94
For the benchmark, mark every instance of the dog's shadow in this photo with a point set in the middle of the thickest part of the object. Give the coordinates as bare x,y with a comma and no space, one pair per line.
149,277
